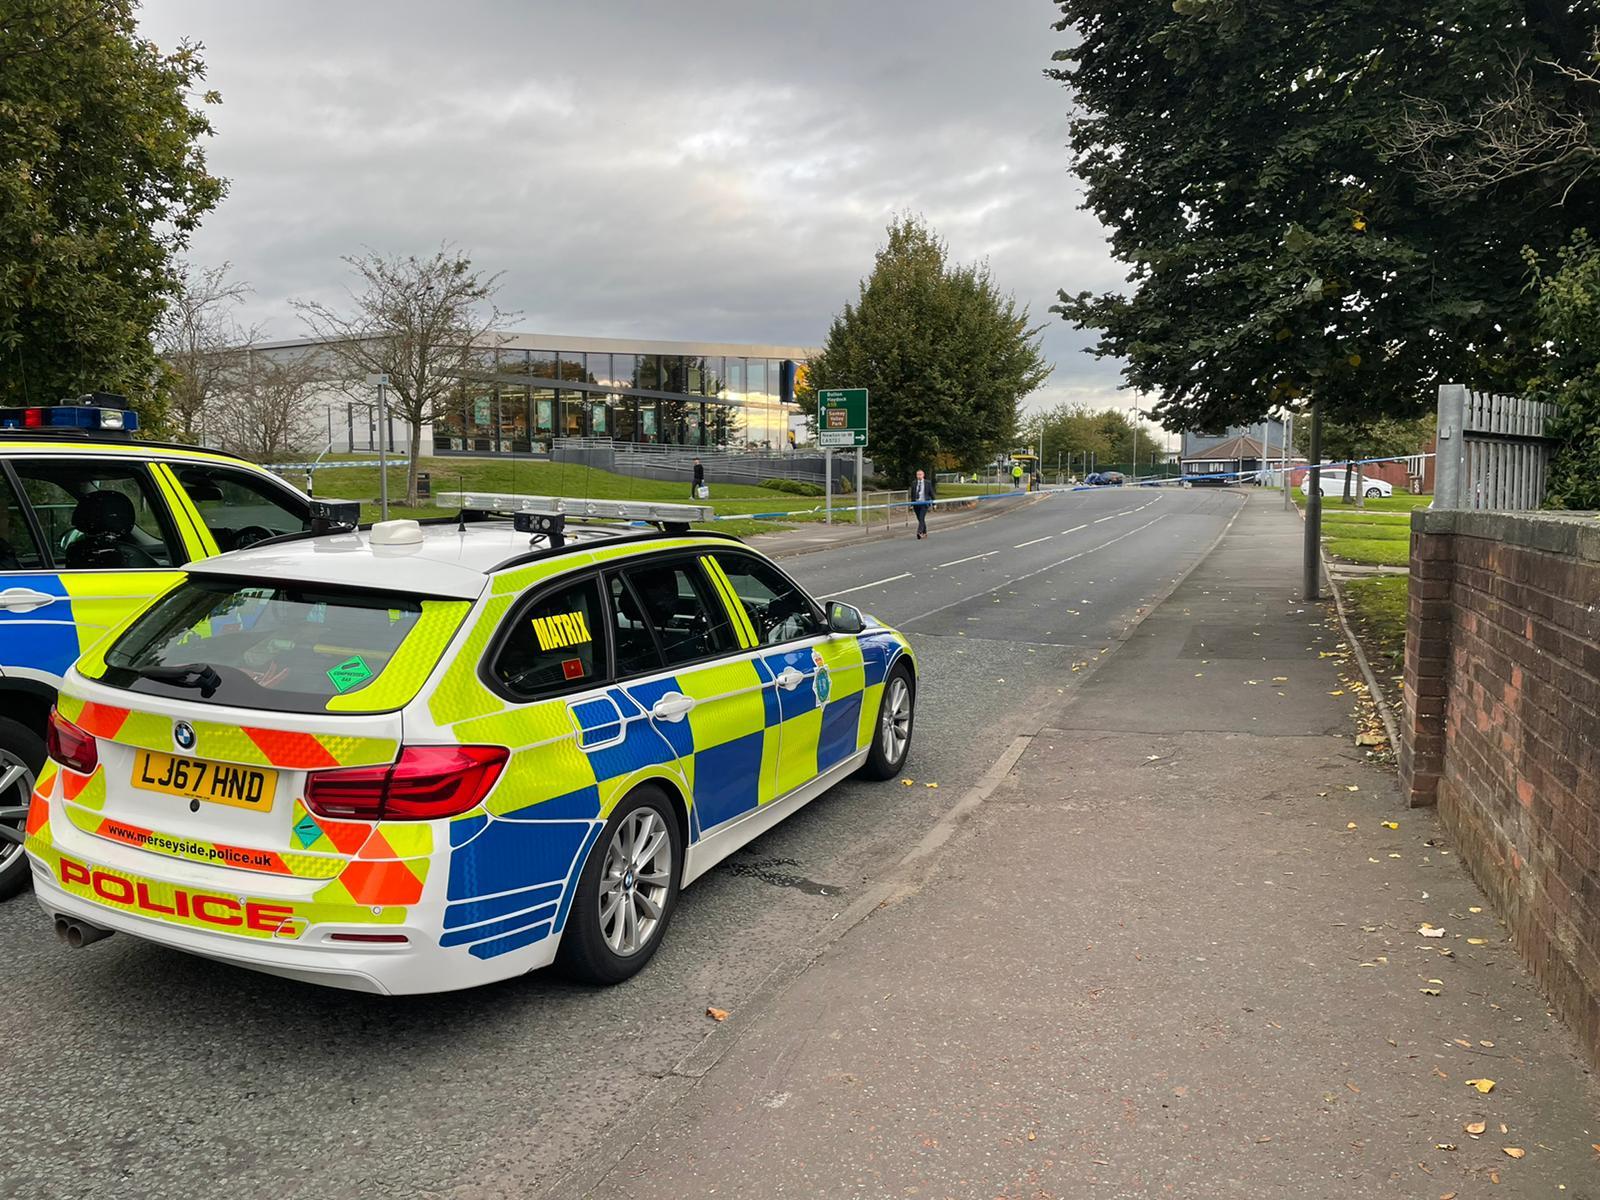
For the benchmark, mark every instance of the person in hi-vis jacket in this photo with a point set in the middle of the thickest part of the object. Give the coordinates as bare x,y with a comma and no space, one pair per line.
921,498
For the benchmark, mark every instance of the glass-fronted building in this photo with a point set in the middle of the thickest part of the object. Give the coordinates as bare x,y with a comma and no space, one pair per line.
536,387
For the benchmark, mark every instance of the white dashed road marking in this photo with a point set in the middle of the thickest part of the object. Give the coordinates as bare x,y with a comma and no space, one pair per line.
878,583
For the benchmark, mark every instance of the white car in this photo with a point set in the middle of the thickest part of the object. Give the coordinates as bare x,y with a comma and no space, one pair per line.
1333,484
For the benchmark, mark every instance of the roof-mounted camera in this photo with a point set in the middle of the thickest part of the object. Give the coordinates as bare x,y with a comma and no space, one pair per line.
549,525
335,516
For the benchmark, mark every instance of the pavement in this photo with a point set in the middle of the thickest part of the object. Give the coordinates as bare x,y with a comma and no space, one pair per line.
1179,940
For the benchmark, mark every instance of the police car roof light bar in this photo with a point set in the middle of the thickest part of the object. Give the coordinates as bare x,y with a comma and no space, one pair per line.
612,510
97,412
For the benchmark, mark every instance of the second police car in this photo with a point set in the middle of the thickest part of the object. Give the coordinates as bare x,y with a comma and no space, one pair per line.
425,757
93,525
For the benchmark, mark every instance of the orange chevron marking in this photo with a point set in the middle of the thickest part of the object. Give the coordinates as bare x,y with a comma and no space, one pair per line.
381,883
72,783
347,836
297,751
101,720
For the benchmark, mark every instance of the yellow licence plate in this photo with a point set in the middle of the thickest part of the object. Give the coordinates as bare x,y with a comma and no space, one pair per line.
201,779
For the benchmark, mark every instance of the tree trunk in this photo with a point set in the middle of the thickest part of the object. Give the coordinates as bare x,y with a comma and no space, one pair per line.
1361,487
414,450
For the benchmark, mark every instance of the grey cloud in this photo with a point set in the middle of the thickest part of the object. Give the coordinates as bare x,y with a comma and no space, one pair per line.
677,170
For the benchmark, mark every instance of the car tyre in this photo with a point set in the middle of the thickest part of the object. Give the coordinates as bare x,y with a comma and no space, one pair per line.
627,892
891,732
1374,493
22,754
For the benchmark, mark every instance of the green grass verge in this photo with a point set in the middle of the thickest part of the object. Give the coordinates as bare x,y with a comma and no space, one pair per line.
1371,551
1373,530
1377,611
1400,502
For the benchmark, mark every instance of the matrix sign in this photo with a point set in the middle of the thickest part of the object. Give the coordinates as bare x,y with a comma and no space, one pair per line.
842,417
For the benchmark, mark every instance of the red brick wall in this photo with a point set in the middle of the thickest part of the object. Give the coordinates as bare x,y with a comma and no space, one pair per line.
1502,727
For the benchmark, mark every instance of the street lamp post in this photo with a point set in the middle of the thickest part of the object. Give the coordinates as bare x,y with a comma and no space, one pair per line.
382,382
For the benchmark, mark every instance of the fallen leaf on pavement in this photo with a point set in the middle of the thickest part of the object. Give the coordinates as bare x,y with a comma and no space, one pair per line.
1483,1085
1474,908
1350,787
1429,991
1462,1042
1391,824
1338,693
1490,1045
1477,941
1427,930
717,1014
1032,1136
1352,1087
1513,1151
1351,825
908,782
932,785
1444,1145
1476,1128
1370,739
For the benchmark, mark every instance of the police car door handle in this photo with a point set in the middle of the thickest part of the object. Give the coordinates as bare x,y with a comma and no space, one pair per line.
673,706
789,679
24,600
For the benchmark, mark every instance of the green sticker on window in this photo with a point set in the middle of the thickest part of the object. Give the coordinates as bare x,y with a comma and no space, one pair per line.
352,672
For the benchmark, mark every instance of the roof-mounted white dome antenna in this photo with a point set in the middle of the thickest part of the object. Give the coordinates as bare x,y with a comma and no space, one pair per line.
400,532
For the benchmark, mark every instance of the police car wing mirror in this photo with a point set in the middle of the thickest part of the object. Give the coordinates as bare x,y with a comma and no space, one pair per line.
844,618
334,516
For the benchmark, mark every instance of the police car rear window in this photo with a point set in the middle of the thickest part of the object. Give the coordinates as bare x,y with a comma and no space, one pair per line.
281,646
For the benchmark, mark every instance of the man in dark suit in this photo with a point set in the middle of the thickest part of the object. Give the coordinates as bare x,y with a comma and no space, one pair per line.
699,480
921,498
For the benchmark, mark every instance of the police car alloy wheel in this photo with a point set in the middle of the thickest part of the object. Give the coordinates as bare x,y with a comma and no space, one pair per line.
891,739
617,921
16,788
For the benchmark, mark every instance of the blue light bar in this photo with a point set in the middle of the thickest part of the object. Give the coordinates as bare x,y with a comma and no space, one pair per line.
71,416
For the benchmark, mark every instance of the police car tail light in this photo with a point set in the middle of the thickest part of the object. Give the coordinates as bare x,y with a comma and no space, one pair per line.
425,783
71,746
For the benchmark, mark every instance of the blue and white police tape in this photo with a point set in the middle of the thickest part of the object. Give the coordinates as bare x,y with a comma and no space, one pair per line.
851,508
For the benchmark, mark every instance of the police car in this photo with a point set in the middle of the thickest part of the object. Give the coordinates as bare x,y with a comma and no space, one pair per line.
93,524
425,756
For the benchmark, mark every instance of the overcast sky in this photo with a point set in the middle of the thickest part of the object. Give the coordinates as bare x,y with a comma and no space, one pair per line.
684,169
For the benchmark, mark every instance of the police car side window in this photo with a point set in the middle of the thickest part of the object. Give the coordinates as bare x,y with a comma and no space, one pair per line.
779,611
19,550
239,508
554,645
674,598
97,515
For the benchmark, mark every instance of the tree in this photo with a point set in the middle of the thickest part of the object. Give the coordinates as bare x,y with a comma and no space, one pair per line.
200,342
422,322
1242,159
946,356
102,179
1074,432
1567,301
264,410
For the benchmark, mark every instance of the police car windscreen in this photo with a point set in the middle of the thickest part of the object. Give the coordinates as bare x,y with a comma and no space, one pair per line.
283,646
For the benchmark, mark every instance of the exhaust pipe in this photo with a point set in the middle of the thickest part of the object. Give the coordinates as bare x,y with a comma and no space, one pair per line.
78,934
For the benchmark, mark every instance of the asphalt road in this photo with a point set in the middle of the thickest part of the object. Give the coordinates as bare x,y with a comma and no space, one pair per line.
130,1070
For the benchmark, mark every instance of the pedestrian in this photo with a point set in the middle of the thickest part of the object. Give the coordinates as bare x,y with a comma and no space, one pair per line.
1016,477
698,486
921,498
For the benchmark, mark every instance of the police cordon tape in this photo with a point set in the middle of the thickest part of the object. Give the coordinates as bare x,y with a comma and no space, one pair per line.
1059,489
